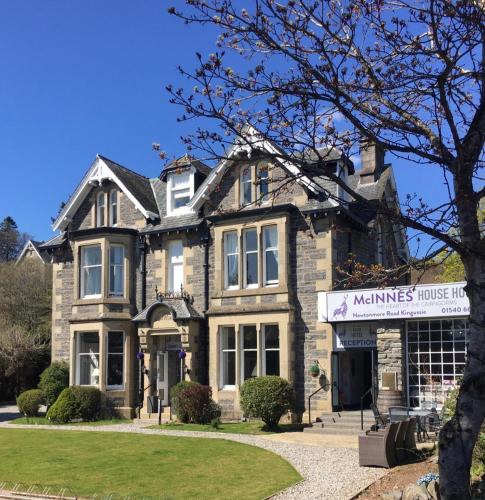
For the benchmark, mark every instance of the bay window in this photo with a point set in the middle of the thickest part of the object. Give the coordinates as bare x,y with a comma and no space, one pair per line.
231,260
116,270
100,210
270,257
228,357
271,349
113,208
176,266
115,359
249,352
250,239
90,271
87,358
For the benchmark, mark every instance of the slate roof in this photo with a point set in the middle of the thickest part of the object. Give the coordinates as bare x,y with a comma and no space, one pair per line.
181,310
53,242
327,155
137,184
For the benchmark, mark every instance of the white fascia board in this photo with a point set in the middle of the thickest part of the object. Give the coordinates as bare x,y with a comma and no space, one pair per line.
24,250
99,171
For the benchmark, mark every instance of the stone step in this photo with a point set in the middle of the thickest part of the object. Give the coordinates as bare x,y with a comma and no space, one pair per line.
334,431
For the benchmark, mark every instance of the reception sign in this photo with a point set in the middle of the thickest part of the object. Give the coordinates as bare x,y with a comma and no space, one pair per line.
421,301
355,336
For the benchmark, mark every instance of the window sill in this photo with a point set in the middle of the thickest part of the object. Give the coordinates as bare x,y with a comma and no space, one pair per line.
268,290
115,388
100,300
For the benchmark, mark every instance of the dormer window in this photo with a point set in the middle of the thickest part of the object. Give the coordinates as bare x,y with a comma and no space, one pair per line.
113,208
180,189
246,186
100,210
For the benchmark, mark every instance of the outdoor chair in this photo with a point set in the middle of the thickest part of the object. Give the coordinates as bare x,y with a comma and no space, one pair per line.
401,451
398,413
377,449
410,439
381,420
433,422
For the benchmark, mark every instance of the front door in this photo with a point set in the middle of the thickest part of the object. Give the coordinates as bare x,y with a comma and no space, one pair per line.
162,377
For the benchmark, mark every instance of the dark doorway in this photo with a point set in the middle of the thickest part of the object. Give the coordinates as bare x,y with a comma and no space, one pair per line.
352,373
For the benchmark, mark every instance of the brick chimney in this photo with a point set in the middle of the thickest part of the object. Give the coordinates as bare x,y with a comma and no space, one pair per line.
372,161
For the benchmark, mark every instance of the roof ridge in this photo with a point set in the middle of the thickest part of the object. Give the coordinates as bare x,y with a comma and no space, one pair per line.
123,167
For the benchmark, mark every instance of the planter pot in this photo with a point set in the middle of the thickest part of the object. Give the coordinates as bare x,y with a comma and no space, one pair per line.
314,373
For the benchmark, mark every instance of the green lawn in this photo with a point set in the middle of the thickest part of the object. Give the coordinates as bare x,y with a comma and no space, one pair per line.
141,465
44,421
229,427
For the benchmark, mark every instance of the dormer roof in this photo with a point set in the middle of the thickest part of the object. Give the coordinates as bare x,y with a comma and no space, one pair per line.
135,186
185,161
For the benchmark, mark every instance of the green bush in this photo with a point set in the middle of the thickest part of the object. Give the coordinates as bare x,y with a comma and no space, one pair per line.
29,402
267,398
175,393
53,380
64,409
478,459
76,403
196,405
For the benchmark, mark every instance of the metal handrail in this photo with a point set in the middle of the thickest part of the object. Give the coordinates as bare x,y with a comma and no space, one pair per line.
370,390
309,404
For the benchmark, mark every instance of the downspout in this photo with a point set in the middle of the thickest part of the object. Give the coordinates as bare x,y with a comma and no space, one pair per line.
206,240
138,363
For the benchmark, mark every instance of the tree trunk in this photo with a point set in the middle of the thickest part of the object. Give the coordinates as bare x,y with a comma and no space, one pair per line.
457,438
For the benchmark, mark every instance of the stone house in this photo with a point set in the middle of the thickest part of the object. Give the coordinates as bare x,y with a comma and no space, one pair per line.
212,275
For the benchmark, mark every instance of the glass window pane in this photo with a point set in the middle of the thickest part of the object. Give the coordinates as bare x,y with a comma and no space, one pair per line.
271,337
91,256
92,281
231,242
270,237
115,369
88,343
232,271
271,266
251,240
272,362
181,200
229,368
228,337
246,185
250,364
115,342
89,370
251,269
249,337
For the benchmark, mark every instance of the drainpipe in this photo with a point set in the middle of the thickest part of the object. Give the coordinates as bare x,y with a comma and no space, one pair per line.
206,240
139,363
143,272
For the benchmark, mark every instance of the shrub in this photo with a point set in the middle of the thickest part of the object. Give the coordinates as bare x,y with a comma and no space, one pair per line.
64,409
53,380
175,393
195,405
29,402
76,403
267,398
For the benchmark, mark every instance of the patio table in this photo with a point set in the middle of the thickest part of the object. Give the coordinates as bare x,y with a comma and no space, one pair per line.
420,421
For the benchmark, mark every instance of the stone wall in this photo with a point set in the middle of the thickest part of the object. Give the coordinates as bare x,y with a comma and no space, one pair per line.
391,352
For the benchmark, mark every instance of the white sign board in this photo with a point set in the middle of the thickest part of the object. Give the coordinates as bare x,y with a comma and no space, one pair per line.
355,336
421,301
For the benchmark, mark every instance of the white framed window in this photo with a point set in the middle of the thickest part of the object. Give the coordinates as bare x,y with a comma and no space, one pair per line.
87,348
436,358
100,210
270,255
115,362
263,183
180,191
228,357
251,257
116,271
113,207
246,186
231,260
249,352
90,271
271,349
175,266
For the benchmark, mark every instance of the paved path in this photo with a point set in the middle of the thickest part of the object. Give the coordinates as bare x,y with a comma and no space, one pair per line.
329,471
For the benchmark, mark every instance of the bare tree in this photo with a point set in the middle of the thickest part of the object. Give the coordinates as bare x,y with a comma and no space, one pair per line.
408,75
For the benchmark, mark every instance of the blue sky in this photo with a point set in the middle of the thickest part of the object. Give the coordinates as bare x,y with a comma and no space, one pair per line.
84,77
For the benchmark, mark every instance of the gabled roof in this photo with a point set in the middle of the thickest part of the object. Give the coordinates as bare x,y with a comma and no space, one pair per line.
136,187
186,161
253,141
180,309
36,246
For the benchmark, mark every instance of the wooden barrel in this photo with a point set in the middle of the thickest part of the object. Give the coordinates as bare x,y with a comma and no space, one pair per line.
387,398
